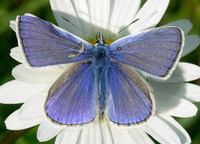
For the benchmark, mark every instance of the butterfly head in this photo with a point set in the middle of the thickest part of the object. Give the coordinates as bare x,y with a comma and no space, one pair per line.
100,40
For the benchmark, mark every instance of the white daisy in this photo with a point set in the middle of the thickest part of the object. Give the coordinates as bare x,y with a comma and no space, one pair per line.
173,97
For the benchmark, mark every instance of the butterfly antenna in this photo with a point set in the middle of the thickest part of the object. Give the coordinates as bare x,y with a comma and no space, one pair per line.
125,27
78,28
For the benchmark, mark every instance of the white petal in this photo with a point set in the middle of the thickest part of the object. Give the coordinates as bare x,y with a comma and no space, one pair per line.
13,122
161,131
99,15
191,43
182,90
69,135
84,137
69,10
129,136
95,16
47,131
149,15
16,54
33,107
140,136
106,133
184,24
185,72
174,106
91,134
122,136
36,75
13,25
95,135
18,92
122,13
177,128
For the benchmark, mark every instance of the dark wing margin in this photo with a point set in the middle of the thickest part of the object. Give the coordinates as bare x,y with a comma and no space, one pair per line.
155,51
130,102
45,44
71,99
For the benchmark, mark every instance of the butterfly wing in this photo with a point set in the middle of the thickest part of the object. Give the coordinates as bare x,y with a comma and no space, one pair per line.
130,100
71,99
45,44
155,51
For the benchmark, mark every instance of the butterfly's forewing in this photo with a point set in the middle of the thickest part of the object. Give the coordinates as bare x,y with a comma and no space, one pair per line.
45,44
71,99
131,102
154,51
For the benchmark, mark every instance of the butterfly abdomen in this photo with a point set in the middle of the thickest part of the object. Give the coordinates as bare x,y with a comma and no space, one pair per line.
101,62
101,96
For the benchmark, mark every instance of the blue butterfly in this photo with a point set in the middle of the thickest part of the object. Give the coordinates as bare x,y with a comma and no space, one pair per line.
103,80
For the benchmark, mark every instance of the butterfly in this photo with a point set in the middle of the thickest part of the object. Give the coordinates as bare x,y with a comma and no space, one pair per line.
103,80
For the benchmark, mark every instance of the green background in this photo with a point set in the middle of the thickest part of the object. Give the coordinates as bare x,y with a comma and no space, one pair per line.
9,9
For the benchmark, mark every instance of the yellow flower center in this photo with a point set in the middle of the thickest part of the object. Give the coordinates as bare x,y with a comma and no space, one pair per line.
108,42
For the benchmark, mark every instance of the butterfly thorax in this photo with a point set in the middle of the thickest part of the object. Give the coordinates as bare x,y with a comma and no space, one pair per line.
100,55
101,64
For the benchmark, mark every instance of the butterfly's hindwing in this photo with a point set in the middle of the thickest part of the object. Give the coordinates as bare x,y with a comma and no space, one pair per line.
71,99
131,102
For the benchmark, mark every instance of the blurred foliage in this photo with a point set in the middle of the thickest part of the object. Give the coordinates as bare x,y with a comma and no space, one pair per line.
9,9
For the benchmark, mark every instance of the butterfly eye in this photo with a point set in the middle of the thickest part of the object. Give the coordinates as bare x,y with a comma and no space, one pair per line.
97,41
119,48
